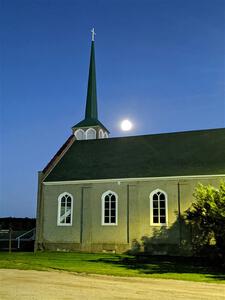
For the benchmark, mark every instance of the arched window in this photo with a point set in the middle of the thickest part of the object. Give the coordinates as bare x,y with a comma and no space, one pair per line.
80,134
65,209
109,208
90,134
106,135
101,134
158,208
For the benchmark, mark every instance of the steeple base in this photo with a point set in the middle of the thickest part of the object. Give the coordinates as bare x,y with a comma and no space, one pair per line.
90,133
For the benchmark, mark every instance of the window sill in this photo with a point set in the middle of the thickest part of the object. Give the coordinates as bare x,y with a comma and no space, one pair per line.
159,224
109,224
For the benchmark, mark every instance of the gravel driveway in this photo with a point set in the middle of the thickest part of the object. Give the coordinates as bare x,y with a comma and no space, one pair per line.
19,284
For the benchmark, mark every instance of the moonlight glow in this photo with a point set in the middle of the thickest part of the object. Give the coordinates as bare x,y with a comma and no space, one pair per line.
126,125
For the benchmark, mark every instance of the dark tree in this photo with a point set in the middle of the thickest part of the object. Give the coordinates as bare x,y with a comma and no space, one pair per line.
17,223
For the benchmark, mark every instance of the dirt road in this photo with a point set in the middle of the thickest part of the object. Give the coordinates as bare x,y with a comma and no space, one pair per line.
19,284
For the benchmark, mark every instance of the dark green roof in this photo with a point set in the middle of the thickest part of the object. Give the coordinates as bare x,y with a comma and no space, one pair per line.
170,154
90,122
91,111
91,102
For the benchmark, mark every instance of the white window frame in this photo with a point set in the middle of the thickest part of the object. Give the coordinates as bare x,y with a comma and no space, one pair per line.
90,130
83,134
101,134
59,210
103,208
106,135
151,208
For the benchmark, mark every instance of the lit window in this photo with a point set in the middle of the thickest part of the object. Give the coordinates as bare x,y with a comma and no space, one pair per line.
80,134
101,134
109,208
106,135
90,134
65,208
158,208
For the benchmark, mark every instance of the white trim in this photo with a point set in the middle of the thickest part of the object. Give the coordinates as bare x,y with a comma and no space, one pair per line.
103,209
101,134
90,130
131,179
105,135
151,208
59,210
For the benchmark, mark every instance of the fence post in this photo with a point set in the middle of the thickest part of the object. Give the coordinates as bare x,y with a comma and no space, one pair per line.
10,239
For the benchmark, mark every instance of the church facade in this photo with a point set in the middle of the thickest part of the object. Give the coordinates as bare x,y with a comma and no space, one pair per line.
101,194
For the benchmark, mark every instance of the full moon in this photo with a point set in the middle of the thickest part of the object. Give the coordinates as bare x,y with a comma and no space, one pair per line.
126,125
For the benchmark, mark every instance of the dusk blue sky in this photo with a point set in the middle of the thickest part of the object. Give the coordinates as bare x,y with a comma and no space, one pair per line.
160,63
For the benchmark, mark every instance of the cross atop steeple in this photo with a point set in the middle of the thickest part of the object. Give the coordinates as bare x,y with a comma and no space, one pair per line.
93,34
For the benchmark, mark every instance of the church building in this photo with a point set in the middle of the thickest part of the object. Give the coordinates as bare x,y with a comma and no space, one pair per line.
102,194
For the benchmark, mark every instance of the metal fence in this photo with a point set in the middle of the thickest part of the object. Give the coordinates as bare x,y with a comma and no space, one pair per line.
11,240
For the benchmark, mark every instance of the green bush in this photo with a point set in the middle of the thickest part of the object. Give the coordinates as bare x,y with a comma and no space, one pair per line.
207,217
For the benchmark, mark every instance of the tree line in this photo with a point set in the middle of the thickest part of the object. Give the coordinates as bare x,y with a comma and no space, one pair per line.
17,224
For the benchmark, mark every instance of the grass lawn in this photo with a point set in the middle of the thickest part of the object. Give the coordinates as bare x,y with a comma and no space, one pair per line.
117,265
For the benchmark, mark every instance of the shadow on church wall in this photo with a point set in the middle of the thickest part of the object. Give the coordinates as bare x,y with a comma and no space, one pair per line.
173,240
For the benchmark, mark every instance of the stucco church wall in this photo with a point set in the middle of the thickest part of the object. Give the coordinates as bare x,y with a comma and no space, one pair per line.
51,231
87,232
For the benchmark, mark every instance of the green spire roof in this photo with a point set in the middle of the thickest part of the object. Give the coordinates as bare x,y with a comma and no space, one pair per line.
91,111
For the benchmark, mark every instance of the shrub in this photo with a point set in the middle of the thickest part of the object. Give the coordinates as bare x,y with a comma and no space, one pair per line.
207,217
